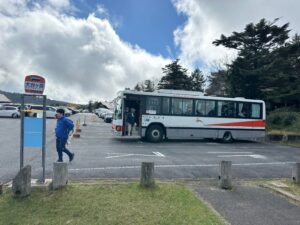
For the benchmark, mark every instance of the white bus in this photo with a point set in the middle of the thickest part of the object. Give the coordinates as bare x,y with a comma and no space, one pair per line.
174,114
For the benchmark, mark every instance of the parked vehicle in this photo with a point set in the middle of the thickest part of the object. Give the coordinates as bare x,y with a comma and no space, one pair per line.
33,111
108,117
9,111
100,110
104,112
74,111
12,104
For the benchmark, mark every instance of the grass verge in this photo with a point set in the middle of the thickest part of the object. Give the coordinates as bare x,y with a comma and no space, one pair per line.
292,188
104,203
286,185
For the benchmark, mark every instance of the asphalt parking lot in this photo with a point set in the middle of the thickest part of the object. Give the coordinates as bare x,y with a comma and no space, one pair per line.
100,155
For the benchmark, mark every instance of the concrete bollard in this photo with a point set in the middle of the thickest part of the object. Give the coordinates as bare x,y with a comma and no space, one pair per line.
21,185
147,175
225,175
60,175
296,173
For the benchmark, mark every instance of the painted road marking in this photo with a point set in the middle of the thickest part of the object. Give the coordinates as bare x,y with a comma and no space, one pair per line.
255,156
228,152
179,166
159,154
119,155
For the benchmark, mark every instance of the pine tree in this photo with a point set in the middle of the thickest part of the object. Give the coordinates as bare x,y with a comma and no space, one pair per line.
250,73
138,87
148,86
217,83
198,80
175,77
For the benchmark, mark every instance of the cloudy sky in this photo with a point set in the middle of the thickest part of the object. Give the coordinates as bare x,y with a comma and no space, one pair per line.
90,49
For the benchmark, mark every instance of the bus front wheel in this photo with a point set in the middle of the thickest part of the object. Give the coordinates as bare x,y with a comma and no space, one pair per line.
155,133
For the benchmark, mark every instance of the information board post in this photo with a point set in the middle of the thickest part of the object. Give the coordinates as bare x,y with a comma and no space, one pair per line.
44,139
33,130
22,132
26,140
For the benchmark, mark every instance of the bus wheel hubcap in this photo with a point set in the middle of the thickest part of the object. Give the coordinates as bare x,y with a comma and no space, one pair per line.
155,133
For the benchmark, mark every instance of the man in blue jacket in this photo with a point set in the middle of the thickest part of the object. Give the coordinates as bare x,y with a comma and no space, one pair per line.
62,130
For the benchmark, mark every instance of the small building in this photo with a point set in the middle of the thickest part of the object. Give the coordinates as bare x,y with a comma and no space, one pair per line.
4,99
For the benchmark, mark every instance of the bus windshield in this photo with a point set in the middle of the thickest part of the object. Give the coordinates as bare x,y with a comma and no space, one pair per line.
118,109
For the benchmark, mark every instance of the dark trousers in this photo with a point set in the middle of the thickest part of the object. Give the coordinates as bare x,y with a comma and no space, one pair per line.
61,147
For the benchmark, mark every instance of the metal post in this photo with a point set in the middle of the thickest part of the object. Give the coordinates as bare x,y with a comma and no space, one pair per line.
44,139
22,133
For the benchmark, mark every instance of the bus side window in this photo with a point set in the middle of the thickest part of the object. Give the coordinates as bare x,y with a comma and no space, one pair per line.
176,106
200,108
243,110
255,111
166,106
187,107
153,105
231,109
210,108
222,109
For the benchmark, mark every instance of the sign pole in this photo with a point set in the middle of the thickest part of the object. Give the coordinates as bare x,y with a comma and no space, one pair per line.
34,86
44,139
22,133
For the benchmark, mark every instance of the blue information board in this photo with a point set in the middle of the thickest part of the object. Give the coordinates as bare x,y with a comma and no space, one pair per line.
33,132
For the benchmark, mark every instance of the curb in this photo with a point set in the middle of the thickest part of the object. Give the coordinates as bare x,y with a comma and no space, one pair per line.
282,192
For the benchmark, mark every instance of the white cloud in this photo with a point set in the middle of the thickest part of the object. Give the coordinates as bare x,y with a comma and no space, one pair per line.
81,59
207,20
101,10
59,3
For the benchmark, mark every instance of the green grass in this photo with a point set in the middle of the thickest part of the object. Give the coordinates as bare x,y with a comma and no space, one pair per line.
104,203
292,187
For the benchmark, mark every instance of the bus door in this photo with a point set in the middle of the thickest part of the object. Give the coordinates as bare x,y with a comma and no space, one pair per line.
132,104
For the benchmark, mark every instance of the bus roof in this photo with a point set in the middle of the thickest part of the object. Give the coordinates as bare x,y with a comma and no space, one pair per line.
183,94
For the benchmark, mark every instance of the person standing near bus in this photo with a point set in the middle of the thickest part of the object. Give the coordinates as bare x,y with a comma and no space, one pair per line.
62,130
131,120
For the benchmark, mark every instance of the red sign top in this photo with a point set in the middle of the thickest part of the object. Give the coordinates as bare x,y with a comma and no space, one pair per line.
34,84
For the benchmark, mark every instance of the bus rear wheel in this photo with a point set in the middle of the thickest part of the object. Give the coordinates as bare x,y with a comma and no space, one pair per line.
227,137
155,133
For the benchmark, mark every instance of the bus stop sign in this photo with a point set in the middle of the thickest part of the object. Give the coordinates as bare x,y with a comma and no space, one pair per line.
34,84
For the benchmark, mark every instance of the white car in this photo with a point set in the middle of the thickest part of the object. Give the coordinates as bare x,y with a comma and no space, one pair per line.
51,112
9,111
37,110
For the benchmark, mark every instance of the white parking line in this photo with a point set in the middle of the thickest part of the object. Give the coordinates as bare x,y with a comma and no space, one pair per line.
178,166
252,156
228,152
159,154
119,155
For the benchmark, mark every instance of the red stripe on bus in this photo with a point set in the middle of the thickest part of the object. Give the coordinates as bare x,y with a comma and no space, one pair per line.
256,123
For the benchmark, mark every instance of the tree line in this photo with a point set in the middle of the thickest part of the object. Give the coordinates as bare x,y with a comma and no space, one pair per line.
267,67
177,78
